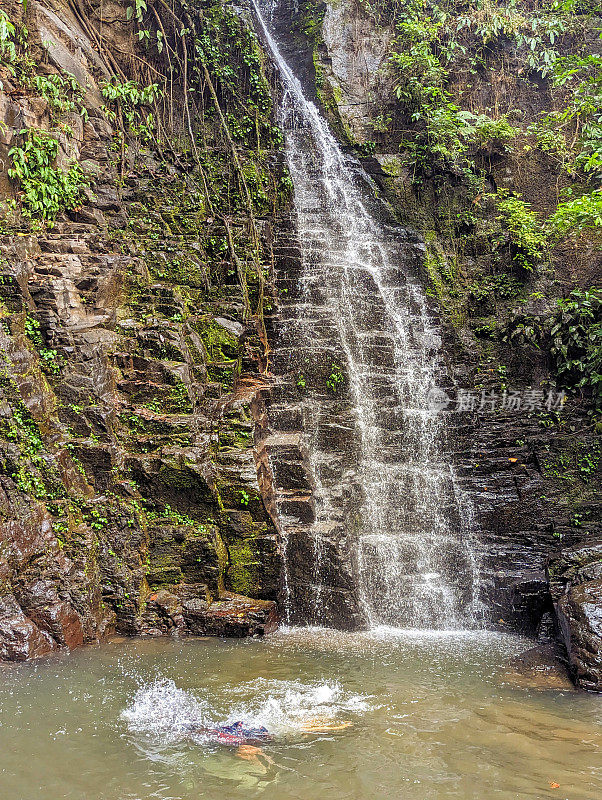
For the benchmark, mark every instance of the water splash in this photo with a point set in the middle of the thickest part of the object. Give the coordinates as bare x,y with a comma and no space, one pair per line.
163,711
359,302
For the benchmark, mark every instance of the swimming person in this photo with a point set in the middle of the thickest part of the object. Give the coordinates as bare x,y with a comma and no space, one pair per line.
235,734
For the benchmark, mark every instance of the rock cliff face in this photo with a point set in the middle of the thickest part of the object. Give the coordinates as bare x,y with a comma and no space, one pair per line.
132,362
150,439
531,466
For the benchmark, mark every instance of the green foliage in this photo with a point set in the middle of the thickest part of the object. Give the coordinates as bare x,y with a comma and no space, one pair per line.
581,78
311,19
97,520
491,23
14,50
445,134
174,516
178,400
552,141
439,143
421,72
525,231
137,10
128,102
231,52
8,48
50,360
577,214
335,379
576,342
32,331
45,189
367,148
257,180
22,430
62,91
28,430
503,286
487,131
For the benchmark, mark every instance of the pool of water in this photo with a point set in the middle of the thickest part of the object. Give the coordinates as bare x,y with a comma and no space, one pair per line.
430,717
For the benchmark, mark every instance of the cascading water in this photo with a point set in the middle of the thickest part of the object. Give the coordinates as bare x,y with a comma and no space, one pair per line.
360,313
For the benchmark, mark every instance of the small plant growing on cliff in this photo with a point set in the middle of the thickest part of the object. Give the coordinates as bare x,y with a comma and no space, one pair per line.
335,379
576,345
97,521
137,9
32,331
577,214
45,189
8,49
244,498
50,360
527,238
126,103
487,131
62,92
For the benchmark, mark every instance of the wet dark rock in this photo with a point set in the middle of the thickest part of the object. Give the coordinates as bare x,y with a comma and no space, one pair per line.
575,576
579,614
20,638
232,615
129,483
539,668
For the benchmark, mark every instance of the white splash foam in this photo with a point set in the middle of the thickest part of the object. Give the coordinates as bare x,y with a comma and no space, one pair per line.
162,710
285,706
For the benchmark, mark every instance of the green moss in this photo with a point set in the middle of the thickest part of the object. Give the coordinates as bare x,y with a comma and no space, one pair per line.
220,344
235,439
573,461
161,576
244,572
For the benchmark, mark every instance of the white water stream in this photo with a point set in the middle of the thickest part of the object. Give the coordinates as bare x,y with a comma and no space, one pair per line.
413,547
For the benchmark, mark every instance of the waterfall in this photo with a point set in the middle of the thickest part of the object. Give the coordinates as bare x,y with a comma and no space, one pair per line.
359,321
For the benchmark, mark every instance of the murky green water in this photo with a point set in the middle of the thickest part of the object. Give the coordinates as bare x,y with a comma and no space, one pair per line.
430,720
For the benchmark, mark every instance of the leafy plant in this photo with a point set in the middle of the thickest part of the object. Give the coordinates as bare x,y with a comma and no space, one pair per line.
62,91
576,345
487,130
45,189
127,102
577,214
96,519
335,379
8,49
524,228
32,331
581,77
50,360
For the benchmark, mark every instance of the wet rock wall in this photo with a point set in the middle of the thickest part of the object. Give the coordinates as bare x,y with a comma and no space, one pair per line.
131,376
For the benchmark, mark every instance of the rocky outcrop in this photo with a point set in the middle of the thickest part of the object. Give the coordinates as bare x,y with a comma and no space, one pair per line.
131,372
231,616
540,668
575,577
